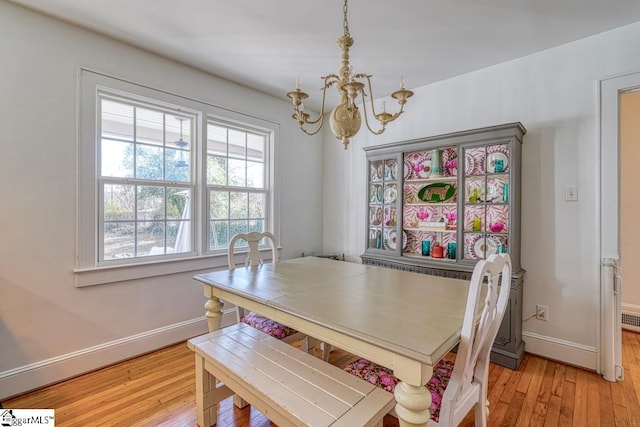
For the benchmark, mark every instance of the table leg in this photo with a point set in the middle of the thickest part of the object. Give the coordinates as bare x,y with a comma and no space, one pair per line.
413,403
205,382
213,312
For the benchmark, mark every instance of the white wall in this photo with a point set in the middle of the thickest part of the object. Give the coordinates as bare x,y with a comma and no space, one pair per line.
48,328
553,93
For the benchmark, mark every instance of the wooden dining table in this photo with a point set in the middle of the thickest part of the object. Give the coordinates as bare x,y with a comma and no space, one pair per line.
402,320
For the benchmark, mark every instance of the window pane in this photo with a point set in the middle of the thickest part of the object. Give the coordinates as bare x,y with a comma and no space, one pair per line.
239,203
255,175
219,208
256,205
178,205
237,172
117,120
178,131
149,161
237,226
216,170
179,143
119,202
219,235
179,236
255,147
256,225
177,165
151,239
150,203
216,140
149,126
116,159
119,240
237,144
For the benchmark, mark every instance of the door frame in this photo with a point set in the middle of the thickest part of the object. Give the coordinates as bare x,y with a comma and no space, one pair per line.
610,348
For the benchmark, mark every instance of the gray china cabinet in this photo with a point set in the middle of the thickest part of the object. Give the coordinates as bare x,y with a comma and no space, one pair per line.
437,205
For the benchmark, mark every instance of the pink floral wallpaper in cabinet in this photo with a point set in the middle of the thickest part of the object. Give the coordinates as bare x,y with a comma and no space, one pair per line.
417,164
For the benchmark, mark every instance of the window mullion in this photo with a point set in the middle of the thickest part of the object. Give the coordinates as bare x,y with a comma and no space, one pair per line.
135,221
165,198
135,143
246,174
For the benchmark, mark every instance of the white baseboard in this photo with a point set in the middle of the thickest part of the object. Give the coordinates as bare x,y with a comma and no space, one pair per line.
35,375
563,351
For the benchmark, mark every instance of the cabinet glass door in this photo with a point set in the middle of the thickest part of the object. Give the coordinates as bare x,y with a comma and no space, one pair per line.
486,200
430,209
383,205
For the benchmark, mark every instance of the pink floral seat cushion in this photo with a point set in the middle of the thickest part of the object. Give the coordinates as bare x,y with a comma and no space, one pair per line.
268,326
383,378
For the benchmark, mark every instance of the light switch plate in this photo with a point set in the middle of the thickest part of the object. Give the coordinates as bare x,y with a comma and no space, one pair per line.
571,193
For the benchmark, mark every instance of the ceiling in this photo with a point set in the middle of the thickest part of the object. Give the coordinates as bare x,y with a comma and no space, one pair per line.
267,44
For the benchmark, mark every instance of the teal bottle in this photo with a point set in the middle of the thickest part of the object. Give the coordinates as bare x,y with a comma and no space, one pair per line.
505,192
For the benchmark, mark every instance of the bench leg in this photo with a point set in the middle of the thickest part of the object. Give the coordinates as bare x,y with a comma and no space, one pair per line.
304,345
309,345
205,386
326,351
239,402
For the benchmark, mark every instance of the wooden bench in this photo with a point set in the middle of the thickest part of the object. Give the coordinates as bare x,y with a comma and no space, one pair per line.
289,386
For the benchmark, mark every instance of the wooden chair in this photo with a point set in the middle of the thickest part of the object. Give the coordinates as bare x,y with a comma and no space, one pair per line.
271,327
457,387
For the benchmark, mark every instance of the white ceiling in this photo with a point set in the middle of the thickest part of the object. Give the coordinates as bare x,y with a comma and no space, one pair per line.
266,44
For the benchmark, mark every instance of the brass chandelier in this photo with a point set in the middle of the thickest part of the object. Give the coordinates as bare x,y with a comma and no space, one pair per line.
345,118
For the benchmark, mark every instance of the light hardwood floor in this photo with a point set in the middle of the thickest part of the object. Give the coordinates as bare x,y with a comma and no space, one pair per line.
158,389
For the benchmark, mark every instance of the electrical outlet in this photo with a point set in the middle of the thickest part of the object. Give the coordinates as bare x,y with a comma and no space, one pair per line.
542,312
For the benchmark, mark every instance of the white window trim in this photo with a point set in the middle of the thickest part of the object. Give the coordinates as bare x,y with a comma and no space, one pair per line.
87,271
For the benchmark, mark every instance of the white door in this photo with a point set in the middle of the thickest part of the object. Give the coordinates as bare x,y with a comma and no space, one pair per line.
610,349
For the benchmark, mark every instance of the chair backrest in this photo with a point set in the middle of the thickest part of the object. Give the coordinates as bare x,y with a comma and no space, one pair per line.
491,281
253,240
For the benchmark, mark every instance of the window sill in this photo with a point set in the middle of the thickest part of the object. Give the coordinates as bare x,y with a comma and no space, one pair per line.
121,273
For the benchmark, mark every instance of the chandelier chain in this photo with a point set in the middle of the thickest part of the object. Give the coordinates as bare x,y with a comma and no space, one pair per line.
345,22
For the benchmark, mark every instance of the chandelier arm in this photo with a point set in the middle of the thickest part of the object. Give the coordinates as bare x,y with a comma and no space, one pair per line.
390,117
312,122
328,82
373,107
310,133
319,119
326,85
366,115
371,97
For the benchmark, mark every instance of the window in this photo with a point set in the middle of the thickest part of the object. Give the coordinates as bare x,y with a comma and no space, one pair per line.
235,182
165,179
145,180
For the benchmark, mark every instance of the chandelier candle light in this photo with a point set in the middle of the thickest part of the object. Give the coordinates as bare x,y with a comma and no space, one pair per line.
345,119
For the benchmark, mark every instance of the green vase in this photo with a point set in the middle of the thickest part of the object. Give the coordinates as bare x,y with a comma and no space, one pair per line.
436,163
